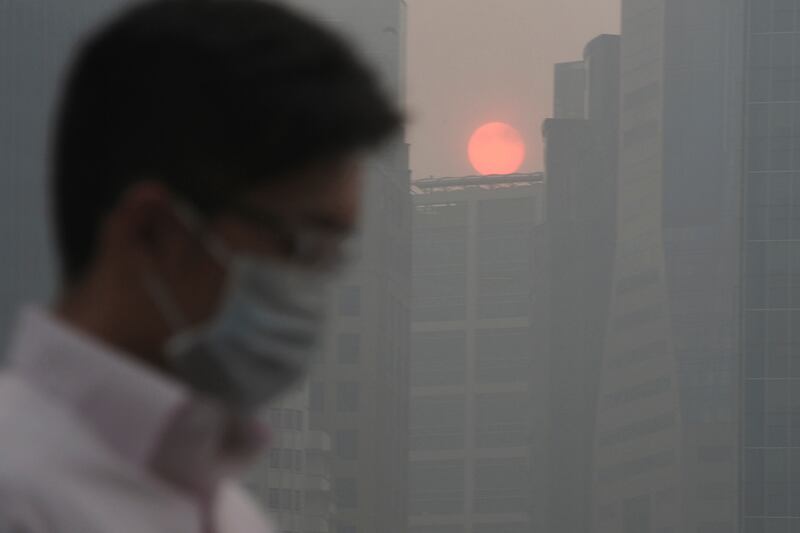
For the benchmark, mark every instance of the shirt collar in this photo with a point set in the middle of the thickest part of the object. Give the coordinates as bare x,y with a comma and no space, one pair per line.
147,418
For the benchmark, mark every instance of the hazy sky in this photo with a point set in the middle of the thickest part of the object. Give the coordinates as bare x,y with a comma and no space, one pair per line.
477,61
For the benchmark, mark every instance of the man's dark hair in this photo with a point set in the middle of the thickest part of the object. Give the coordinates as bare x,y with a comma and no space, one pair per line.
210,97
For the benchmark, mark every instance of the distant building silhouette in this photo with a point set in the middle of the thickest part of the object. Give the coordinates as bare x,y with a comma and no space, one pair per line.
478,382
577,259
358,394
696,420
569,94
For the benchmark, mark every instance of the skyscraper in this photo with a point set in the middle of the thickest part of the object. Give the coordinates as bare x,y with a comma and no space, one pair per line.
575,269
569,96
293,480
476,448
770,338
698,409
358,395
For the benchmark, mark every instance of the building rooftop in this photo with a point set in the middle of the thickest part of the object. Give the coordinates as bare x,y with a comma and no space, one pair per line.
499,181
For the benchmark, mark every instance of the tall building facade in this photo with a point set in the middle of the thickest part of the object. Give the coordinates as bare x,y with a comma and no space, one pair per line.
293,481
569,95
358,394
478,389
698,412
771,278
575,271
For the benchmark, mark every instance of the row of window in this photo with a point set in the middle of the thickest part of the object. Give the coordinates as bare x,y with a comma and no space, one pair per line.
345,493
477,527
772,344
438,422
286,500
286,459
772,270
291,419
503,356
775,120
773,206
500,294
444,505
777,84
772,412
348,350
348,397
449,411
774,16
512,437
772,275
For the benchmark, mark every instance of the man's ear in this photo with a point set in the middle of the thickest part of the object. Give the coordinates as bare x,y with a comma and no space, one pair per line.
142,228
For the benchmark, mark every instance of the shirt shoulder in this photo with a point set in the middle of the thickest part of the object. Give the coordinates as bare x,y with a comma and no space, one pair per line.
238,511
31,431
35,432
56,477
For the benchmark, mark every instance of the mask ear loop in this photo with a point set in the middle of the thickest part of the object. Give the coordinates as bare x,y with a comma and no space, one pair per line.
195,223
166,304
154,284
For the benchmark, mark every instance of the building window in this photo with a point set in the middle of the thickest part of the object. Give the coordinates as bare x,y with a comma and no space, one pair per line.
505,240
500,422
438,358
346,493
286,499
503,527
349,348
436,487
286,459
298,501
274,498
350,301
347,397
286,419
316,397
297,462
437,423
448,528
439,297
502,486
346,444
503,355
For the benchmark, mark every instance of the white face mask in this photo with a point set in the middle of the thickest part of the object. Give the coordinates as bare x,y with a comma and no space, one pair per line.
262,338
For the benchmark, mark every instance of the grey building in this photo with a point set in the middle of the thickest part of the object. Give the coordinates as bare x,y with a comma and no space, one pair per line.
666,445
698,409
478,390
771,277
569,95
293,480
576,263
358,395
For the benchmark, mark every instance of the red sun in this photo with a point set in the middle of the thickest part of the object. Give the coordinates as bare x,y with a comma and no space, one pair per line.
496,148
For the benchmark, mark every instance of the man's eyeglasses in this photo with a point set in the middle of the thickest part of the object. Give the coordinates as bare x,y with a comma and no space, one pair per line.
301,242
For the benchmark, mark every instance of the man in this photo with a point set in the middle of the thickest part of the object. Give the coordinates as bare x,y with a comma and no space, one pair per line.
205,183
